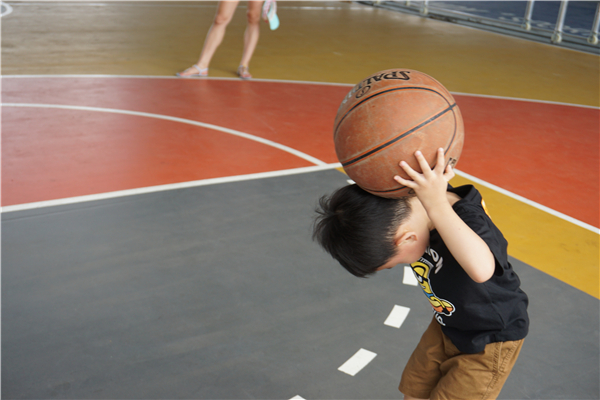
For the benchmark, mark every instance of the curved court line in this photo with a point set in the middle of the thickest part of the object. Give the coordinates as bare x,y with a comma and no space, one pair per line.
162,188
264,141
271,143
7,7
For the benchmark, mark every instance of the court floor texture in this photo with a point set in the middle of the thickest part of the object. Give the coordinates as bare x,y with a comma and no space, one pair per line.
156,231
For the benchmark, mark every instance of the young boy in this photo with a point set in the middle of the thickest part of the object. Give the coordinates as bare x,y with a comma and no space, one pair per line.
459,258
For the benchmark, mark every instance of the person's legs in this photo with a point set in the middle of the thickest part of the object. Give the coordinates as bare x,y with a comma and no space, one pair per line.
216,33
476,376
251,36
225,11
421,373
439,371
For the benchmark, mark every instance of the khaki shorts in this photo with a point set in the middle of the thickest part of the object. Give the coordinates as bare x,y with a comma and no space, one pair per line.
438,370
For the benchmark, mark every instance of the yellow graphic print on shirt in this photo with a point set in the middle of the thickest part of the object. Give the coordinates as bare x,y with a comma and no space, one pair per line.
441,306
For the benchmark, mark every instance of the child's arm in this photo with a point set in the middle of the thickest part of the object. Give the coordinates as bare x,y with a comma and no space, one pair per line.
471,252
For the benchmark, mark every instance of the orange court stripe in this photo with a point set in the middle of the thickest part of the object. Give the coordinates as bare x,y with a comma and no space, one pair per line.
54,158
548,153
507,142
296,115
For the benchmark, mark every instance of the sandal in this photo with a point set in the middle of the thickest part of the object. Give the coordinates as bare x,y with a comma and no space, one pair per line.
243,72
201,72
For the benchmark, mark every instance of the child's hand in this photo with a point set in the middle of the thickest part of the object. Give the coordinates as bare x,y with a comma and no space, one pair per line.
471,252
431,185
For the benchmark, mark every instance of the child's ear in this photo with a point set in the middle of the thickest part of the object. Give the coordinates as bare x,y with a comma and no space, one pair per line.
406,238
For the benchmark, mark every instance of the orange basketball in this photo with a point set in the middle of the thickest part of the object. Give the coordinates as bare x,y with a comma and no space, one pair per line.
385,119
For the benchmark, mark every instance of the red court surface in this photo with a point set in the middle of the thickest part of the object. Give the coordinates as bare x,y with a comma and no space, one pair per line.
547,153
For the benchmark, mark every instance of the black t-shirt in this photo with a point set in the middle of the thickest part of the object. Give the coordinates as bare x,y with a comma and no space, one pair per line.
473,314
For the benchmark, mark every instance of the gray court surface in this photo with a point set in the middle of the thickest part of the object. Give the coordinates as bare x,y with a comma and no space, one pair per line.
218,292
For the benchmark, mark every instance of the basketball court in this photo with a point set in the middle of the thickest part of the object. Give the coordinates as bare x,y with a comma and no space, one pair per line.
156,231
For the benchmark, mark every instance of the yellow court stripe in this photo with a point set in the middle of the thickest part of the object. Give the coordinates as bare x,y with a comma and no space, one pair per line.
557,247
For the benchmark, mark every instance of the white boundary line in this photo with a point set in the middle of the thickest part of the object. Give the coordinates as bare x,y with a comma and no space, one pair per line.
528,202
489,96
175,119
162,188
148,4
349,85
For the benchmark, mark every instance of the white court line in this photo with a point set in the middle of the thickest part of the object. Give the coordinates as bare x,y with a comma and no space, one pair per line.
7,7
489,96
300,154
346,85
349,85
160,188
357,362
297,398
174,119
102,4
397,316
409,277
529,202
143,4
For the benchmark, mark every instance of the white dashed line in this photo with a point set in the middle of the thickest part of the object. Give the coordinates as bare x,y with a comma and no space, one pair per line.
397,316
357,362
409,277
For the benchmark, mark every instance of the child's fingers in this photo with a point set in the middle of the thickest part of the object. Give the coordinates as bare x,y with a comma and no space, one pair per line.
446,170
449,174
408,169
400,180
422,162
405,182
441,162
410,172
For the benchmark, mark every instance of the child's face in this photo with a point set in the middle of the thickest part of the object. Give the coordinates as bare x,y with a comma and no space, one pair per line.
408,254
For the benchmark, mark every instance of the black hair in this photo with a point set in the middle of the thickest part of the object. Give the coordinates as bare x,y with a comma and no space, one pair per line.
358,229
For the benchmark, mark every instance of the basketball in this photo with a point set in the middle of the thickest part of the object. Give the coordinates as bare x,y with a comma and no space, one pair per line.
386,118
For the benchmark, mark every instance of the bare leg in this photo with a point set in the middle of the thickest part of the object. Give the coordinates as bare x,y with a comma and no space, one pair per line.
225,11
252,31
411,398
216,33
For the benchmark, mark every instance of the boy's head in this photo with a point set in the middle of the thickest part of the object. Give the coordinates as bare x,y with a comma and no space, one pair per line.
359,229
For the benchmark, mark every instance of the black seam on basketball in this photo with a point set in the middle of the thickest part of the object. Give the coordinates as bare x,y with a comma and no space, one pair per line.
387,191
453,136
394,140
432,167
384,92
